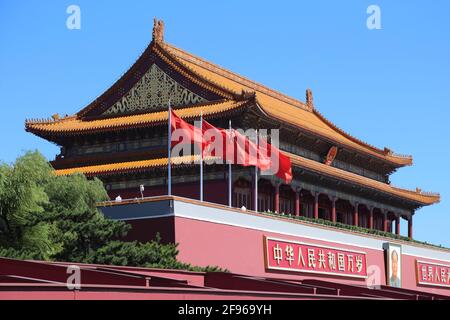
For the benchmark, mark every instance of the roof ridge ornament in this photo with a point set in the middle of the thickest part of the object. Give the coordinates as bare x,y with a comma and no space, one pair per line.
247,94
158,30
309,99
387,151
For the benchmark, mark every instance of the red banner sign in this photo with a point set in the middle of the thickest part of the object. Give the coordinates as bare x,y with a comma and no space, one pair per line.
433,274
310,258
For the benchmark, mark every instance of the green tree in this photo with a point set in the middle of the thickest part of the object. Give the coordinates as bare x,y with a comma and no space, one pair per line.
152,254
82,227
24,228
49,217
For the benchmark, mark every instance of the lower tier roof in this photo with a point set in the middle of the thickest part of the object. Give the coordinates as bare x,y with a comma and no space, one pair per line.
297,161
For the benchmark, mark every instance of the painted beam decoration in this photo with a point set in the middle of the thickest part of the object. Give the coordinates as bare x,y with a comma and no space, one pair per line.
432,274
287,255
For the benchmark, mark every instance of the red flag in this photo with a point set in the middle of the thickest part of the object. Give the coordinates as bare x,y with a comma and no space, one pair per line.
215,140
248,153
284,168
194,134
234,147
238,149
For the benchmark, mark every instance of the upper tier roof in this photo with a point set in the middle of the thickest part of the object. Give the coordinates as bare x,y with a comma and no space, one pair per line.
226,84
279,106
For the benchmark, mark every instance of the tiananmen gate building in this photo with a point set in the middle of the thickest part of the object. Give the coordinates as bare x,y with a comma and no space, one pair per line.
337,221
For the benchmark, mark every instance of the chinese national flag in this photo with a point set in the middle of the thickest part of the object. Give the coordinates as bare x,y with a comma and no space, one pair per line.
210,134
195,134
235,147
284,168
248,153
238,149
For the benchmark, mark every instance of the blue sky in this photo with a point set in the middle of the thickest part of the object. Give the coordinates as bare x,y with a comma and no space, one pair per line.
388,87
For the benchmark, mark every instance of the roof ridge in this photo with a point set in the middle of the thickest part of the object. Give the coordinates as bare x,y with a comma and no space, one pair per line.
384,151
50,120
167,56
112,83
418,191
182,54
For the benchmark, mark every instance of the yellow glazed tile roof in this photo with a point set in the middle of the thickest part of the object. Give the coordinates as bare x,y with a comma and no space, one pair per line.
422,197
73,124
206,74
113,168
280,106
298,161
271,102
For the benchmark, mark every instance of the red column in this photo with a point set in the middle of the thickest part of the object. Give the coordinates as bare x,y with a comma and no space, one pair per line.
355,215
333,209
410,227
277,199
385,222
316,205
371,218
397,225
297,203
251,205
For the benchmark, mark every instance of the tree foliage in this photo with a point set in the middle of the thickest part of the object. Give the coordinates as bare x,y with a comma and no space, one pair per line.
46,217
151,254
25,230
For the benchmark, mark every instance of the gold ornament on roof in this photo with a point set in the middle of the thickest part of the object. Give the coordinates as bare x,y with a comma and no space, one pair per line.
309,99
158,30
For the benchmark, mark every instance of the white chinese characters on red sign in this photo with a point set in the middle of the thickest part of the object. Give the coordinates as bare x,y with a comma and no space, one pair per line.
302,257
433,274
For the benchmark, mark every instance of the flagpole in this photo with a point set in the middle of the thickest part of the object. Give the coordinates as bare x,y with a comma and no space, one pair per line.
169,167
201,159
230,177
256,177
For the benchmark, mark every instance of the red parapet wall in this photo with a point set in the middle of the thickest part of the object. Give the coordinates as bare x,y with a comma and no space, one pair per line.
243,250
244,242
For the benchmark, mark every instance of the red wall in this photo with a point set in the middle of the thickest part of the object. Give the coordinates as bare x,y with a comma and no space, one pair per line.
144,230
241,250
